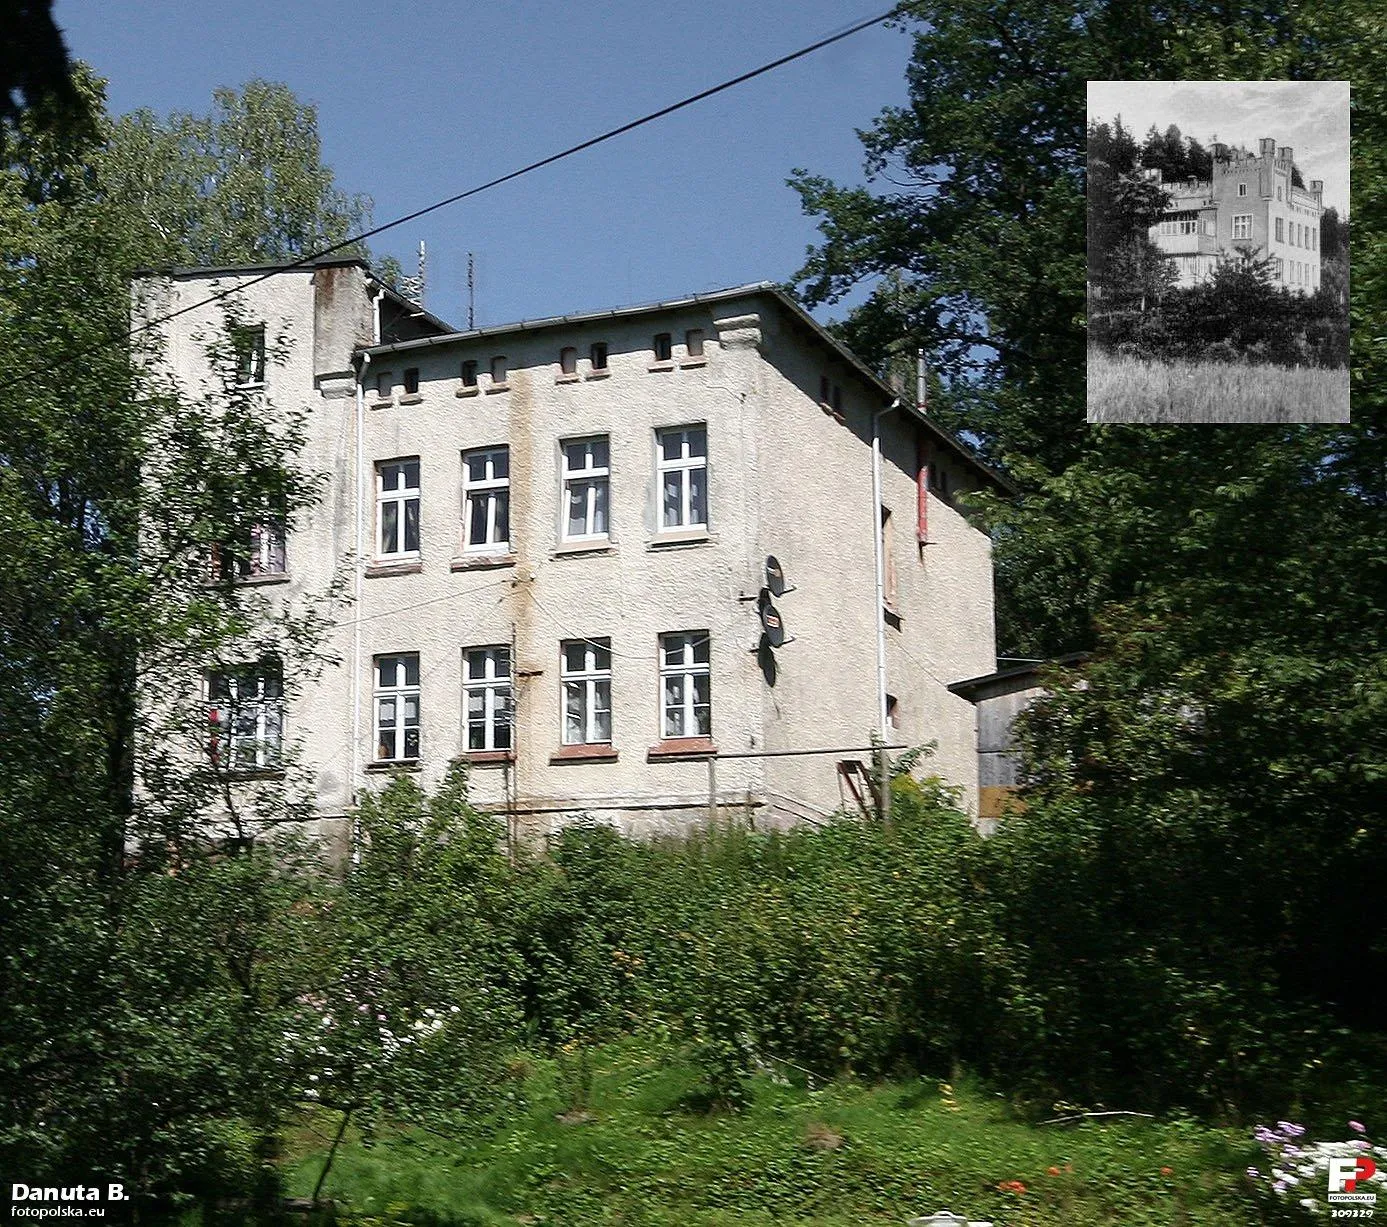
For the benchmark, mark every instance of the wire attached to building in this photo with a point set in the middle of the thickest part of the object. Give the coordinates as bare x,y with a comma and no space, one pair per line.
306,261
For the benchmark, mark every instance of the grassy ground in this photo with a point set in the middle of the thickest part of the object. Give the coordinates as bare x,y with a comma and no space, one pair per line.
1127,389
840,1156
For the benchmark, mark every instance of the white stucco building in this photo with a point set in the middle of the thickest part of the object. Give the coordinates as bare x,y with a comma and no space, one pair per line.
555,536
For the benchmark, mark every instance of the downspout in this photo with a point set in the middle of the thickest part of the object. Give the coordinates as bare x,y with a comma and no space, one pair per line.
879,549
360,567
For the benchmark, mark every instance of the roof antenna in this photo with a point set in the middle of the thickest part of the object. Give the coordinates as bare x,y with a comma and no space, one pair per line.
471,294
412,288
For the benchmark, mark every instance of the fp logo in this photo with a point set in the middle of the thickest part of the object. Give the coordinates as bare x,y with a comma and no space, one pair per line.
1348,1174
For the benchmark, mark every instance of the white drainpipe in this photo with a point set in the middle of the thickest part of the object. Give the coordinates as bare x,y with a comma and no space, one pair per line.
879,549
360,565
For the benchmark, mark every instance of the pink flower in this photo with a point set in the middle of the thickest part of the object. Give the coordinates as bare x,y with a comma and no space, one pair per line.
1357,1126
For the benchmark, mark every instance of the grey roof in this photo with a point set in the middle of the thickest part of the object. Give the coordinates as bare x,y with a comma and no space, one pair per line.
970,688
765,288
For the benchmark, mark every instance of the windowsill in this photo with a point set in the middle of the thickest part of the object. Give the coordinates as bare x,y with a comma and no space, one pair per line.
399,764
575,549
574,378
252,581
471,391
604,373
667,365
257,386
677,538
497,387
411,398
406,566
382,404
486,758
674,748
593,752
693,362
838,416
482,562
254,773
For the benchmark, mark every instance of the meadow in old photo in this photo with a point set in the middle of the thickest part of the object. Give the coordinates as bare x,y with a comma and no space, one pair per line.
1218,241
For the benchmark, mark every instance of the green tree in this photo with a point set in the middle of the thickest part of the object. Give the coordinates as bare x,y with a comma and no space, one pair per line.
147,975
244,183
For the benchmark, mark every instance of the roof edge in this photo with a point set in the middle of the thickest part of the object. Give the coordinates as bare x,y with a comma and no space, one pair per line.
767,289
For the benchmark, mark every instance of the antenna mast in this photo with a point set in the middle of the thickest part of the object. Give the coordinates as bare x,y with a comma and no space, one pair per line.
471,293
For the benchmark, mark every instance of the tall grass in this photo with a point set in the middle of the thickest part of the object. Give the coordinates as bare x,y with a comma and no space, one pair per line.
1129,389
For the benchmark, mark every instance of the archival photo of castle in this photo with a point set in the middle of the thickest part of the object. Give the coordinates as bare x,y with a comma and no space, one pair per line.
1218,245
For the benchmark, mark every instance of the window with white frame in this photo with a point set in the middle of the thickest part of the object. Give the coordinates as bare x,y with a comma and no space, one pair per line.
1242,189
685,685
397,708
486,685
1242,225
683,469
585,477
263,554
397,509
486,499
586,675
249,347
245,715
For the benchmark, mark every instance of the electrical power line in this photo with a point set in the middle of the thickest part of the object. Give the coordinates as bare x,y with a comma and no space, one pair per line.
305,261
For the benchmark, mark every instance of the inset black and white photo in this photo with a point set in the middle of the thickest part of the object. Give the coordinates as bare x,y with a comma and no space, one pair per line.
1218,239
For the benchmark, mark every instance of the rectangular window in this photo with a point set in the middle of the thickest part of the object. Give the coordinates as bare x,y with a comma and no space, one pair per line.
498,369
245,715
397,509
385,384
1242,189
1280,230
683,468
824,391
597,356
693,342
411,381
1278,191
469,374
568,360
262,554
397,708
585,477
663,347
486,688
486,499
586,670
888,556
249,347
1242,225
686,685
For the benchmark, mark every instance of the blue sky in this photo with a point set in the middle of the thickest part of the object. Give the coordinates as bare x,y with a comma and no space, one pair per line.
417,101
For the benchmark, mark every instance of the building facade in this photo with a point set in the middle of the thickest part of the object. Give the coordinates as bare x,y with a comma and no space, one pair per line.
555,535
1251,203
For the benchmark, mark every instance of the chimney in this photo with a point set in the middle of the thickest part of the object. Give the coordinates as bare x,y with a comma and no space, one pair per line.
1286,153
1317,188
1266,146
